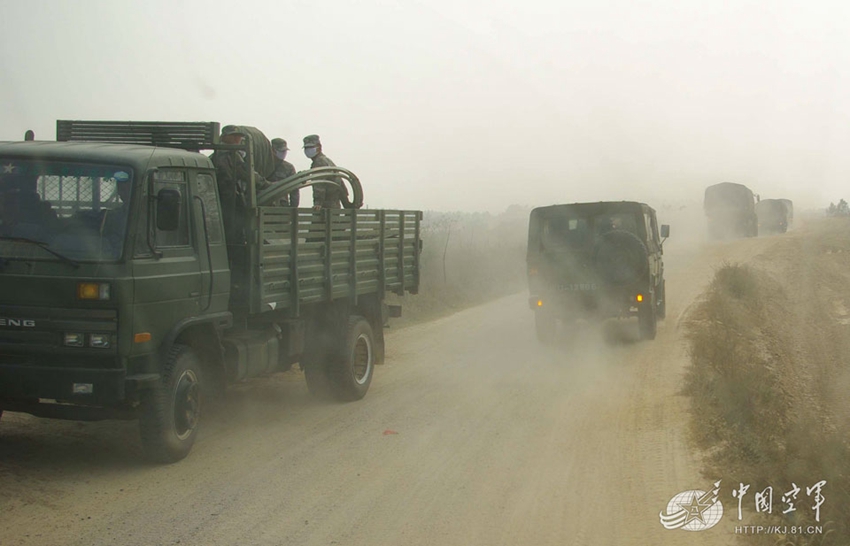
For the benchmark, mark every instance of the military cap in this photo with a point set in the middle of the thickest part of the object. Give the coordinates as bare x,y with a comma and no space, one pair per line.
311,140
230,129
279,144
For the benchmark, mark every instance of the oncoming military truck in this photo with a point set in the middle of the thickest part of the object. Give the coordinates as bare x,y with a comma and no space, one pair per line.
596,260
121,297
730,211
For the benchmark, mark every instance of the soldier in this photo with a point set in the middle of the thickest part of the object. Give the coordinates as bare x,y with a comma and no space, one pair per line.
233,175
324,196
283,169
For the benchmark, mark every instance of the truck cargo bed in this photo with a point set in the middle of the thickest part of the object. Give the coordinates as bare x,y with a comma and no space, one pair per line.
307,257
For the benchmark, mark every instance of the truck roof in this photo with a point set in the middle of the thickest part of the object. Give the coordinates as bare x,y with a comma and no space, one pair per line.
140,156
727,187
598,206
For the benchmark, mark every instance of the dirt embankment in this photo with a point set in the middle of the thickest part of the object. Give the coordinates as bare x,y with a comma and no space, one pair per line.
770,376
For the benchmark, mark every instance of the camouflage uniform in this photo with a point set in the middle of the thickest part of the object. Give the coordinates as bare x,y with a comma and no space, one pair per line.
284,169
325,196
233,175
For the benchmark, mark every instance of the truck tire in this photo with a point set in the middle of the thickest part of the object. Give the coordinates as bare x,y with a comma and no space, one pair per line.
170,412
352,365
620,257
662,299
648,319
545,327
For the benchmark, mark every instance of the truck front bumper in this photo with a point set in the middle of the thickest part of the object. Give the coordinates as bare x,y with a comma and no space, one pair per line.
84,386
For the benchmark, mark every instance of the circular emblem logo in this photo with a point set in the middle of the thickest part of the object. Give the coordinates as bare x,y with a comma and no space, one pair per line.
693,510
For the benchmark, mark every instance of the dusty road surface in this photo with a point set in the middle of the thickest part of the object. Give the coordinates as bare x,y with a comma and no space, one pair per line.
497,441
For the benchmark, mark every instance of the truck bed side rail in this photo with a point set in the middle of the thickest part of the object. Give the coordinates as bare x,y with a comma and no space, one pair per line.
308,257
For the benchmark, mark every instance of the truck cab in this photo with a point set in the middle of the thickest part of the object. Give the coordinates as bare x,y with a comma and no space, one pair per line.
118,297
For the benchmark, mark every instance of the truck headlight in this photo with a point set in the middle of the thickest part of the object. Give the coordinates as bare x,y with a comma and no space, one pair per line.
99,341
74,340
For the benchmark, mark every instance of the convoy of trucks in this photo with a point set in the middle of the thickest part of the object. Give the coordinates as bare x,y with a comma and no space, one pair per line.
732,210
124,292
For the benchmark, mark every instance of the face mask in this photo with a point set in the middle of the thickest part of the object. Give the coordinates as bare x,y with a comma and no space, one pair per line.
280,155
311,152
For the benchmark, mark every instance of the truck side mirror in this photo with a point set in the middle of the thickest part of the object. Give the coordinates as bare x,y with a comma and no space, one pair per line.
167,210
665,231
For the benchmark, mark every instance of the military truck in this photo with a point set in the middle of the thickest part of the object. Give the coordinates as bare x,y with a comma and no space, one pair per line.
121,297
730,211
595,260
772,216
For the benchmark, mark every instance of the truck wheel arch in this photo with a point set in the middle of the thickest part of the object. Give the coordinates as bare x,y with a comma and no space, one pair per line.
203,334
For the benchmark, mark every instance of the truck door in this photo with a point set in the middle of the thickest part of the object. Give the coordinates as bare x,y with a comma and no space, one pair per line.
169,285
209,232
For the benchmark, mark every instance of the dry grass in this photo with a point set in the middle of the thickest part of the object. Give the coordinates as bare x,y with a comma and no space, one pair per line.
769,380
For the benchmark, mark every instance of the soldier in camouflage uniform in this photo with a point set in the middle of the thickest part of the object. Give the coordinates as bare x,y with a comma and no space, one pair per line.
283,169
232,174
324,196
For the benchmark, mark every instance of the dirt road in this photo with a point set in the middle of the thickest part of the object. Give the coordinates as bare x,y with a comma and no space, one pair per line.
471,434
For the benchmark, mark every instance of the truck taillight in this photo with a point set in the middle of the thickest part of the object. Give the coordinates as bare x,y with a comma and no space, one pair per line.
93,291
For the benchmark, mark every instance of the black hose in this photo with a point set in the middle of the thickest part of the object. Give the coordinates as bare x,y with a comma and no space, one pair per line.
320,175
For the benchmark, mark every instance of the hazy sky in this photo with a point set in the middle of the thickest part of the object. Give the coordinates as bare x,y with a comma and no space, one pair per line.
465,105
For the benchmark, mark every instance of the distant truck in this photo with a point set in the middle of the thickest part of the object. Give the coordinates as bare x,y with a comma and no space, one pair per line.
730,211
772,216
596,260
121,297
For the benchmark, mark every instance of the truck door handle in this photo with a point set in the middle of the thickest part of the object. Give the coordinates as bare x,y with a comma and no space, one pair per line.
194,294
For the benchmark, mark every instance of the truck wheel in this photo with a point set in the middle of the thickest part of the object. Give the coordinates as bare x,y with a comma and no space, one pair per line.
545,326
647,319
170,412
662,300
351,368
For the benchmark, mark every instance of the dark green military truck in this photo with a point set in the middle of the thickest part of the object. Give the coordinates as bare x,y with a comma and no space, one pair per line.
730,211
121,297
595,260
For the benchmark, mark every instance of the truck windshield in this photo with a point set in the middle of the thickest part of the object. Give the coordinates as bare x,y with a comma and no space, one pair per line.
76,210
580,230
